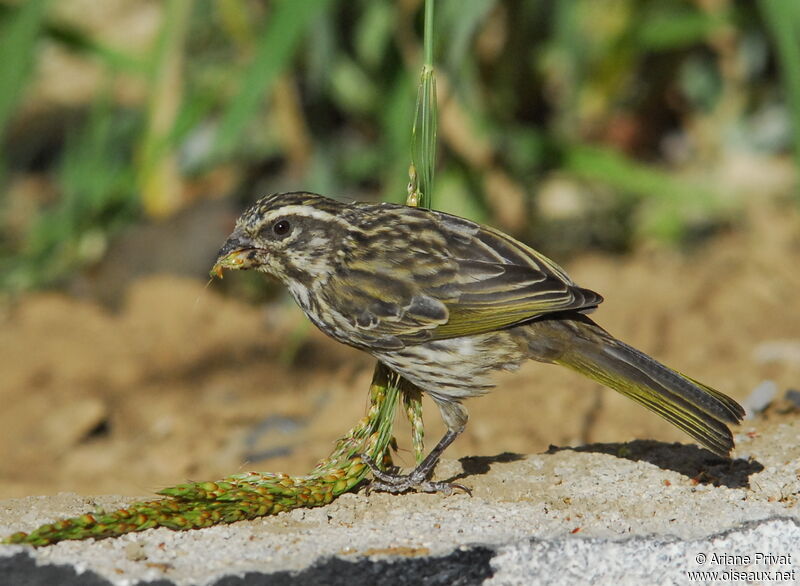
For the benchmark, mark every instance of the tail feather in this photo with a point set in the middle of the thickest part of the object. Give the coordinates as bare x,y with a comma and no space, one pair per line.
697,409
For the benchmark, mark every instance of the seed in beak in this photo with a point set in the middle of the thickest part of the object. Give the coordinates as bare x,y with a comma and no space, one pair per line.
234,260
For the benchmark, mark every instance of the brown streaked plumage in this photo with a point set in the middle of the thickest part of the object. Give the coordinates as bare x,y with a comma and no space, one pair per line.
445,302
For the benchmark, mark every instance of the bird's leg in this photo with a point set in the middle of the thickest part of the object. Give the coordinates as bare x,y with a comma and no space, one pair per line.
418,477
455,416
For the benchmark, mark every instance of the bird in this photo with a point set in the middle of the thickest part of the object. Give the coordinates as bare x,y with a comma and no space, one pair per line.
446,302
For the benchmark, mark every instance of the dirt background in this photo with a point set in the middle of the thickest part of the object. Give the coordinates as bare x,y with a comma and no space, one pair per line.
181,382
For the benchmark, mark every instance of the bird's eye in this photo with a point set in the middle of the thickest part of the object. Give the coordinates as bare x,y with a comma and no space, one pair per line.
281,228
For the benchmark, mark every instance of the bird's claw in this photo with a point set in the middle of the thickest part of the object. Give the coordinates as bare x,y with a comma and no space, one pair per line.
415,480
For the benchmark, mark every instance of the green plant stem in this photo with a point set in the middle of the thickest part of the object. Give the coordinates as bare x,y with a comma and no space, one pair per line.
423,133
412,403
428,34
420,191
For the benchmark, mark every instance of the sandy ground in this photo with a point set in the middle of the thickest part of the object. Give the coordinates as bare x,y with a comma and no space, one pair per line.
183,383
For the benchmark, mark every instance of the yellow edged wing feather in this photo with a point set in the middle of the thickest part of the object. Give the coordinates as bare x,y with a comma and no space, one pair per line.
471,280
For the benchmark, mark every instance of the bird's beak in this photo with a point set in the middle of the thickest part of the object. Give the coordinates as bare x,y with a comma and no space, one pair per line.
237,253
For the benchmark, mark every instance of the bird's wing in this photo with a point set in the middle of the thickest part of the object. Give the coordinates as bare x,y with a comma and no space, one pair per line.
463,279
501,282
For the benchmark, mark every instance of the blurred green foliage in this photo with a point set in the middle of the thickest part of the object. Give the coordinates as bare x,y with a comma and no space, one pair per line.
571,124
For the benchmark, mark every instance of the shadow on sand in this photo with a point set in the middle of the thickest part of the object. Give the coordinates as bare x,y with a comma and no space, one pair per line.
691,461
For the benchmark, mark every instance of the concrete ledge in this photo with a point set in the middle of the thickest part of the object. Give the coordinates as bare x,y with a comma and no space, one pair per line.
643,512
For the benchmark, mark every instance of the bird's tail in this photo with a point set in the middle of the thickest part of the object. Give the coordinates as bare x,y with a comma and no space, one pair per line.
697,409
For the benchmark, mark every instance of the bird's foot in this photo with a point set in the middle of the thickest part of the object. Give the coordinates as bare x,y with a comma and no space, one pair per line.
416,480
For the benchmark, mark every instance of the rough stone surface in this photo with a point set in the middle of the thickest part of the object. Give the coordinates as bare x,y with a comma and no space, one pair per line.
644,512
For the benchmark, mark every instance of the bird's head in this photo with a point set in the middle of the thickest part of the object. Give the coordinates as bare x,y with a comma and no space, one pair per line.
291,236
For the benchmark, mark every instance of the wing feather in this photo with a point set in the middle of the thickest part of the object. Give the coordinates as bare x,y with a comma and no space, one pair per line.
471,280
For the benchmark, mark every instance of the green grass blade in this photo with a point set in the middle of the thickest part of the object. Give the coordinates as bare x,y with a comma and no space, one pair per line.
782,18
287,24
674,197
463,19
18,47
159,178
671,26
618,171
79,42
396,117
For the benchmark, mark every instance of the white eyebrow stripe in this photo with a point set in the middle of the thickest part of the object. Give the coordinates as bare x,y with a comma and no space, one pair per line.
304,210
